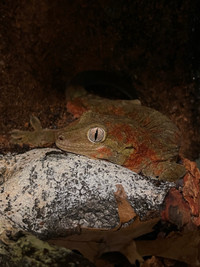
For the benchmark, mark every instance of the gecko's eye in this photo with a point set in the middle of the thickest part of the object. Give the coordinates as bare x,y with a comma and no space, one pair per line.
96,135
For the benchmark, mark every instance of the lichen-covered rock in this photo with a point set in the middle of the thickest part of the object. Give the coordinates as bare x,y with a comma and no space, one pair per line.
49,192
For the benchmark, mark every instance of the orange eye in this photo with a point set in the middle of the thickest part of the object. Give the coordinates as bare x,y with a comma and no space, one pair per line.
96,135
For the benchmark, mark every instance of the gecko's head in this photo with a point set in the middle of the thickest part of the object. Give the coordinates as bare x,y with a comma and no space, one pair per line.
92,136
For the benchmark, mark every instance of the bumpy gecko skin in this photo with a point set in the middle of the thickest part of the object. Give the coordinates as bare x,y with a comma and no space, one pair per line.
120,131
121,141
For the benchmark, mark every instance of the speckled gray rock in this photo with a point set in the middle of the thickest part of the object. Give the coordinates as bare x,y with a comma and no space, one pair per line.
49,192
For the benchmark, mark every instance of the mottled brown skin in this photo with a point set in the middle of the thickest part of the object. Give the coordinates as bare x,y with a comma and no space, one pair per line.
137,137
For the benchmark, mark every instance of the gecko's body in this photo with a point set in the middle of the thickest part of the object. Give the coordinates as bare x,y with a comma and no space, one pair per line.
121,131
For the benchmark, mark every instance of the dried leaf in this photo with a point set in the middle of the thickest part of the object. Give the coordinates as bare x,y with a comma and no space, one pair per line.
191,190
176,209
125,211
92,243
182,247
131,253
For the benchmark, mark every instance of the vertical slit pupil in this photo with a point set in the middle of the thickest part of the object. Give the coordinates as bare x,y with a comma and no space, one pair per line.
96,134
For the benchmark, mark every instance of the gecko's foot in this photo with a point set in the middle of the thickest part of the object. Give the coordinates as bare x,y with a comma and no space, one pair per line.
20,137
166,171
38,137
33,139
172,171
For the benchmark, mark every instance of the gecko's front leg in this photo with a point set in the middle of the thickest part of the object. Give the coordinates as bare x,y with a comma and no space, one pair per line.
38,138
166,170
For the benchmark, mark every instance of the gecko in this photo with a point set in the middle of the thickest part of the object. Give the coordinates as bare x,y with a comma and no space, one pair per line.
121,131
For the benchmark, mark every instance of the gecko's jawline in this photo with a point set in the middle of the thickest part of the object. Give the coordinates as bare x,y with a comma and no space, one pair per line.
76,149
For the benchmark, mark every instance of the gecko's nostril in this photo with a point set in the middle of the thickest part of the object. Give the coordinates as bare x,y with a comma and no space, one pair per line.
61,138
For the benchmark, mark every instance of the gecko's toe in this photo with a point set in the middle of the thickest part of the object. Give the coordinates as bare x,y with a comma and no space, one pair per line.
16,134
35,123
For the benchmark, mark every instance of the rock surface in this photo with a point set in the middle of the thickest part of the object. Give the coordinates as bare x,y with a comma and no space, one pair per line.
48,192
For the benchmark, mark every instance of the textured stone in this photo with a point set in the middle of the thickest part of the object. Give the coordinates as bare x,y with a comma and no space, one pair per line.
48,192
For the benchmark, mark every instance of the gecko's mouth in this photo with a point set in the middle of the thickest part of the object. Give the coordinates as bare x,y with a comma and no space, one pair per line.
76,148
